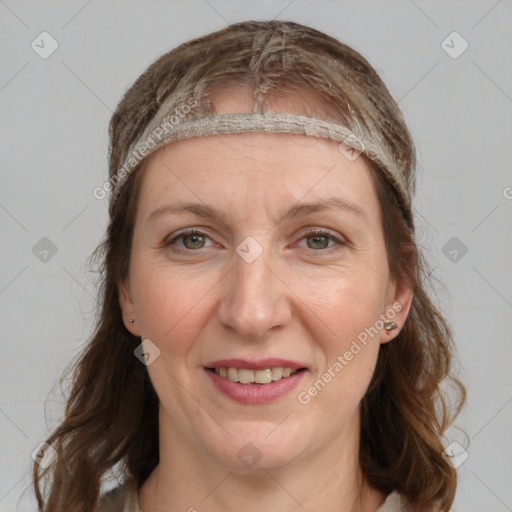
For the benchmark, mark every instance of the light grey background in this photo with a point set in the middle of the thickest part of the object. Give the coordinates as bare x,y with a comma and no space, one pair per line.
53,147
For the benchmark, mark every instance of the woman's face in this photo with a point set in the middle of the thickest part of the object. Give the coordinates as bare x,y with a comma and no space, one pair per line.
287,269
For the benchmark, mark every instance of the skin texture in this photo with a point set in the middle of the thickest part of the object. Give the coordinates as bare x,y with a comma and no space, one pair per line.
304,299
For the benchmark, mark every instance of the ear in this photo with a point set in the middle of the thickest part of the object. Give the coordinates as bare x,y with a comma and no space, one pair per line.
128,308
398,305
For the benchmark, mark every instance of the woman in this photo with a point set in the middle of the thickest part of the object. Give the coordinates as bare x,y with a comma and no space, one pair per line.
265,337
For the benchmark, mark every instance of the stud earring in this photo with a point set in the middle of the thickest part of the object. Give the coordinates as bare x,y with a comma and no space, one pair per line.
389,326
132,320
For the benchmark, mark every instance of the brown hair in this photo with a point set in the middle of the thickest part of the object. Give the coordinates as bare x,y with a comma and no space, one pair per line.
111,417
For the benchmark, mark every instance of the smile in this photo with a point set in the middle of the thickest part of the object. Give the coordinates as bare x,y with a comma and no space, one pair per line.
247,376
252,387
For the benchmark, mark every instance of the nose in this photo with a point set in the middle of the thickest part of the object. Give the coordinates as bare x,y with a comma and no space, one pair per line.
255,298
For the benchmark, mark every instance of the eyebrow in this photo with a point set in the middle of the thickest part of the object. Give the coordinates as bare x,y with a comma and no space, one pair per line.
298,210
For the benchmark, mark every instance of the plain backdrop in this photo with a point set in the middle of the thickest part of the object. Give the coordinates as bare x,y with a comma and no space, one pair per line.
455,90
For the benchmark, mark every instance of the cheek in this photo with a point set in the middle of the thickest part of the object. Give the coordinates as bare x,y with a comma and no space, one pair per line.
349,355
356,343
170,302
348,300
350,310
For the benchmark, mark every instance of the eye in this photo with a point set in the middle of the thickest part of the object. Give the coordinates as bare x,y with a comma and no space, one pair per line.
188,240
192,239
319,240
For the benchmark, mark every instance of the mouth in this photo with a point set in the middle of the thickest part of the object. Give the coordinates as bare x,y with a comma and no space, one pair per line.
261,377
255,382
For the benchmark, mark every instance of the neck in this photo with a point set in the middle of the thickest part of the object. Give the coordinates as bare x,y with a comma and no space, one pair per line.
327,480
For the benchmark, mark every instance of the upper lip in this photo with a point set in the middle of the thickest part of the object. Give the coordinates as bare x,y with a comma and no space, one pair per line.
260,364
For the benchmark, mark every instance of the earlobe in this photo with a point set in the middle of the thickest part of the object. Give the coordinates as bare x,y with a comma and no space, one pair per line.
128,308
396,312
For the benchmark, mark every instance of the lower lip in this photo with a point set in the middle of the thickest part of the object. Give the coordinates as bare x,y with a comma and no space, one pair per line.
256,393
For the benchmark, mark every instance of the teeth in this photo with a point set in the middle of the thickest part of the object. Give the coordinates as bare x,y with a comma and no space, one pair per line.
232,374
263,376
245,376
277,373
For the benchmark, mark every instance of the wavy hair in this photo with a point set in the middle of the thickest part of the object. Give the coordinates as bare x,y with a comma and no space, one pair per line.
111,416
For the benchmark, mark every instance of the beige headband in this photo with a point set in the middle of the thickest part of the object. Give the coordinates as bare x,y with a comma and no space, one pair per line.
167,126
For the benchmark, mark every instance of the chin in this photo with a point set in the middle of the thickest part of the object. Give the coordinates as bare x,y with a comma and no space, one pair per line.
259,446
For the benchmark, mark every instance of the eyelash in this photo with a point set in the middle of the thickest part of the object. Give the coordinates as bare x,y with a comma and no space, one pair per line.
339,244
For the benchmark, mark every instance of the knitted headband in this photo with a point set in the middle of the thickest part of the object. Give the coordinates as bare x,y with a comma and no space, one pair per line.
171,124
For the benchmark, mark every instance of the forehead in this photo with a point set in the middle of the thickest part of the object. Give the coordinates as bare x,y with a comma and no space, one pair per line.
255,172
260,167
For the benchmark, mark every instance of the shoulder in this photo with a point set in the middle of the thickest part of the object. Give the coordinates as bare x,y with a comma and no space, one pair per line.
112,501
394,503
123,498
